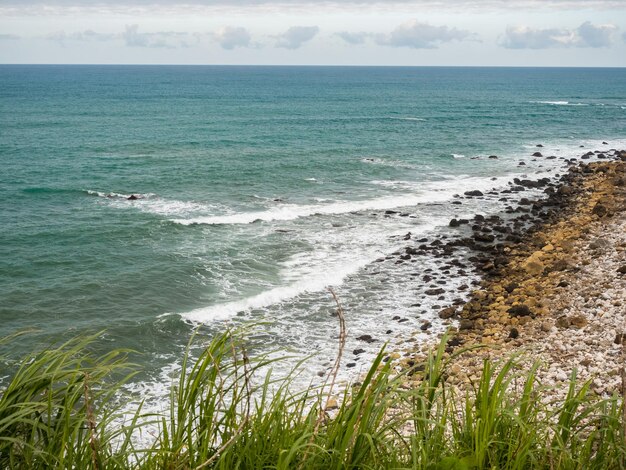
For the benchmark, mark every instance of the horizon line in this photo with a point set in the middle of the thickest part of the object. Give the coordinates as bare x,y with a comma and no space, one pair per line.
318,65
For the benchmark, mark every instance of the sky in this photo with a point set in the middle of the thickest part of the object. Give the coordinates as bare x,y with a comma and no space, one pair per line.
586,33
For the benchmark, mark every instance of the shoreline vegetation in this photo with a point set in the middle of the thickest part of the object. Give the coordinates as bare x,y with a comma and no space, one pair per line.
532,376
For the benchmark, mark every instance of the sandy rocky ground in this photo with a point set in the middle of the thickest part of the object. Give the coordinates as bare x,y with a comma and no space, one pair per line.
553,284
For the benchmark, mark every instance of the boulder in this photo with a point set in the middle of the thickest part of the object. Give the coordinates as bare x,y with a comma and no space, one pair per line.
447,313
600,210
437,291
366,338
520,311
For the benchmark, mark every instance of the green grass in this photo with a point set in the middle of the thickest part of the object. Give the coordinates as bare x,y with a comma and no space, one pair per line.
226,411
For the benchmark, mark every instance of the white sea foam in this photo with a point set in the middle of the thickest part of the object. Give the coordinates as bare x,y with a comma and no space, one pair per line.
385,162
457,155
150,202
408,118
428,192
294,211
560,103
333,274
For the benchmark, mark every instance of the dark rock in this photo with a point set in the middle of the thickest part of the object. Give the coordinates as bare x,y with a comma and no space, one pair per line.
351,364
436,291
466,324
493,157
132,197
390,212
484,237
563,322
560,265
620,338
622,269
514,333
520,311
600,210
407,236
454,223
473,193
488,266
537,154
356,352
522,164
366,338
426,326
447,313
563,284
539,145
565,190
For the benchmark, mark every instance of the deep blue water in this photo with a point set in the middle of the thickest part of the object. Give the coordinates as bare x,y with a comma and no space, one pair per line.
259,187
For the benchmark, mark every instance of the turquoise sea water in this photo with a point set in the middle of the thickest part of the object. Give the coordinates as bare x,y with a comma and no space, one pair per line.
258,188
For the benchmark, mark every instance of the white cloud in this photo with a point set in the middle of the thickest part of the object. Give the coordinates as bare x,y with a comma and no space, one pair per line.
586,35
596,36
421,36
87,35
163,39
295,36
523,37
230,37
353,38
473,4
8,37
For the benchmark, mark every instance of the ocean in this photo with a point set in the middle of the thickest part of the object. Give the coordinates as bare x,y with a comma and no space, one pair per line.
258,189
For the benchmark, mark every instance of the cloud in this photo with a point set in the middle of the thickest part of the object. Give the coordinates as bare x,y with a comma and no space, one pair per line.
87,35
624,37
230,37
164,39
8,37
295,36
421,36
586,35
353,38
523,37
477,4
596,36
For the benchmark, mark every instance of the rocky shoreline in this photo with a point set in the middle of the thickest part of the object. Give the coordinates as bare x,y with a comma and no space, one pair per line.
553,279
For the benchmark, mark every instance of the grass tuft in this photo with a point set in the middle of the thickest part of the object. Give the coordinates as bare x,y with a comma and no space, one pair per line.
227,411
